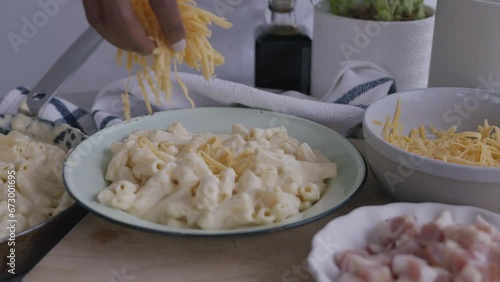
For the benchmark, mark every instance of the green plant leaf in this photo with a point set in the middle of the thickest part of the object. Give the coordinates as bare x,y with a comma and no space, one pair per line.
382,10
419,7
406,7
394,6
420,14
341,7
385,10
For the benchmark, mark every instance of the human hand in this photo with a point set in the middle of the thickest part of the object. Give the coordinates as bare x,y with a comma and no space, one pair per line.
116,21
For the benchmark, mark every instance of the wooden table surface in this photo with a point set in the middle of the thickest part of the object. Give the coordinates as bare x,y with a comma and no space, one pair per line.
97,250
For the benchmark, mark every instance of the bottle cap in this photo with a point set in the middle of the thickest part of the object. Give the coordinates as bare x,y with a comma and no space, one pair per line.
282,6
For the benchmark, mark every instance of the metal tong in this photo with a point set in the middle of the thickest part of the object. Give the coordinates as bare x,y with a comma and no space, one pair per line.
63,69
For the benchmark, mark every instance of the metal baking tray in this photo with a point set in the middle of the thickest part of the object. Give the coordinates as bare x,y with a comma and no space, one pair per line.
34,243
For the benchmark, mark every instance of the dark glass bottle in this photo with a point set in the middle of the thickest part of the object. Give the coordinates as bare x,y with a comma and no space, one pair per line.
283,51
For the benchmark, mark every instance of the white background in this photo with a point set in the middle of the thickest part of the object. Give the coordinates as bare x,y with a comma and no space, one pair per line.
25,63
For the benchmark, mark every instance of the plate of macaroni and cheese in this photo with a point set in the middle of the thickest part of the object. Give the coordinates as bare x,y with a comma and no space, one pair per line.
35,209
214,172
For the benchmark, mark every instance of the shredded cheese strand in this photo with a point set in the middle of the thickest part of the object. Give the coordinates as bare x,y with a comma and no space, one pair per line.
474,148
145,142
199,53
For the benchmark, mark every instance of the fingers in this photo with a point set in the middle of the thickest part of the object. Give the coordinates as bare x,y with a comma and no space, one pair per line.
116,21
123,24
170,20
94,12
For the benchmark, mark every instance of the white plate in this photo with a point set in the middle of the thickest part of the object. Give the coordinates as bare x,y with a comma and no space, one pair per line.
358,228
86,166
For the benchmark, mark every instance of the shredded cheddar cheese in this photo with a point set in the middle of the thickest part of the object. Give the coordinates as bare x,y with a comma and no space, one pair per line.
475,148
199,53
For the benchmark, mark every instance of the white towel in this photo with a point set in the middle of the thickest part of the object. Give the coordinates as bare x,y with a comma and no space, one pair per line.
355,86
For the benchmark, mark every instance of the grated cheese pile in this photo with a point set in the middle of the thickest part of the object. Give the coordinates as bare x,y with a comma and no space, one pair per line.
217,157
199,53
475,148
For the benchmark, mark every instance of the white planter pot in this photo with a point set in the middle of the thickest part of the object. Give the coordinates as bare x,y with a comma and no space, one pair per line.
401,48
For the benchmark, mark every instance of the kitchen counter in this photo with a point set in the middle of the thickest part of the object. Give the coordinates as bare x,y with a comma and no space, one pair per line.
97,250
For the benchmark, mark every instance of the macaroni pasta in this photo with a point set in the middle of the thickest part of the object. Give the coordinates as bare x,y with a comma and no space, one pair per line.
215,181
40,193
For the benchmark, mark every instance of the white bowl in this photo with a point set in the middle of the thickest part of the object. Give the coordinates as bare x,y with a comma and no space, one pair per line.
412,178
358,228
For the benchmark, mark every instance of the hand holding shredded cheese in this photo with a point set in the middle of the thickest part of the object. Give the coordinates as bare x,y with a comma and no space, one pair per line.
476,148
199,53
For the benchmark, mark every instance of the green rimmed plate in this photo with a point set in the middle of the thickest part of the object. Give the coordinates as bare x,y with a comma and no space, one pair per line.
85,168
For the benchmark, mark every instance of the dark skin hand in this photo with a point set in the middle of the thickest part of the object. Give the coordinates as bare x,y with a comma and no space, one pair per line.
116,21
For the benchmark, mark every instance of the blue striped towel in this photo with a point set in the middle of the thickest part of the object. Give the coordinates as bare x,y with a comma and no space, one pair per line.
355,86
57,110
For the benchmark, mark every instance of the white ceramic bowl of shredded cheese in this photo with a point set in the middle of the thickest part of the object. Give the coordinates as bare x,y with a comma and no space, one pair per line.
412,178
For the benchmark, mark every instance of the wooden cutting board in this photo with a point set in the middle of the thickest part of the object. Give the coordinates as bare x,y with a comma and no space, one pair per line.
98,250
